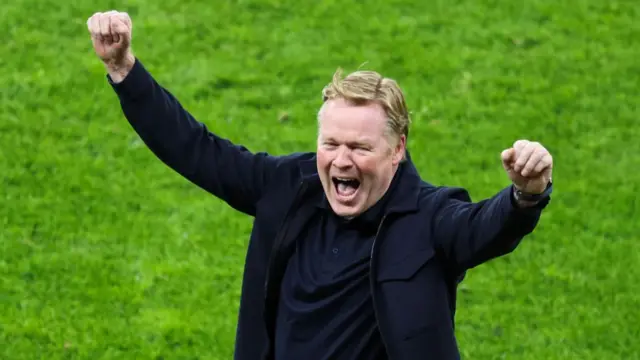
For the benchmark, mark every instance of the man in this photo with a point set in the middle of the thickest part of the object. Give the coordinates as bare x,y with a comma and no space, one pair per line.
352,254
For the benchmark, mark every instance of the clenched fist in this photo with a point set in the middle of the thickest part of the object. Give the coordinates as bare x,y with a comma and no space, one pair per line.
111,36
528,165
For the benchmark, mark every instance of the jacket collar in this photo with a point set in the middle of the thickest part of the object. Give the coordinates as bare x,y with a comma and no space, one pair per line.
402,196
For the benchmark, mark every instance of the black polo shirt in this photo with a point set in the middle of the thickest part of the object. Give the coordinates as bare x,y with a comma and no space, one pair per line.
325,309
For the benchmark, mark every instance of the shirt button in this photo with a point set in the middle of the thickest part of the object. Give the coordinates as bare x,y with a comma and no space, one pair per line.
335,250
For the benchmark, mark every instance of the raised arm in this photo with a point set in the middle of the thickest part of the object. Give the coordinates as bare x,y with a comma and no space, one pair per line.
469,234
228,171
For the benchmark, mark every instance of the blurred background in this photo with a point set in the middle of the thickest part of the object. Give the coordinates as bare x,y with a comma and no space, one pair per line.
105,253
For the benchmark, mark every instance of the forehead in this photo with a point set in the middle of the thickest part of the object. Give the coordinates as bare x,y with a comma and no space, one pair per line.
338,117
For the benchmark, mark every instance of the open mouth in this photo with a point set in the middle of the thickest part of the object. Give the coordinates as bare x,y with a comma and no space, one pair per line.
345,187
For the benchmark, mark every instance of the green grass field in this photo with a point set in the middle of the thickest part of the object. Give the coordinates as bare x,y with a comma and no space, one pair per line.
108,254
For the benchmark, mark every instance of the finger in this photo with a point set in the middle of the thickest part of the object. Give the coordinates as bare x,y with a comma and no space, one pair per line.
523,156
95,27
109,25
104,27
92,24
520,144
508,157
121,25
533,161
544,163
110,37
89,23
116,36
126,19
118,29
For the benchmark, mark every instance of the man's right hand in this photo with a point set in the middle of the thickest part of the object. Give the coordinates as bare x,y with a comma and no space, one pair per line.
111,37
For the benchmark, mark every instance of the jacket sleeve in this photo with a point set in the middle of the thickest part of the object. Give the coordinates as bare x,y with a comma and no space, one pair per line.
228,171
469,234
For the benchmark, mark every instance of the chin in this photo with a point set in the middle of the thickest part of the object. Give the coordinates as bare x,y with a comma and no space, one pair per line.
347,213
345,210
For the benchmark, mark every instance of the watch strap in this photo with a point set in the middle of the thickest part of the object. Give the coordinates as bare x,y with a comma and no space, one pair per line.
523,196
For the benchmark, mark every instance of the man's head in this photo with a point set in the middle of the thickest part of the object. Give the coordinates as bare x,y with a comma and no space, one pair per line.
362,131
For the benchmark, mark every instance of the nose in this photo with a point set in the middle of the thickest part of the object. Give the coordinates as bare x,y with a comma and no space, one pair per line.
342,159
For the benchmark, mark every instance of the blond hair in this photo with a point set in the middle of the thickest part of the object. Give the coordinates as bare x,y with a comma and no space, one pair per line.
366,86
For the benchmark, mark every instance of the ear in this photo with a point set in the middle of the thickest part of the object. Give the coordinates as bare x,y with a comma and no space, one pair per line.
399,150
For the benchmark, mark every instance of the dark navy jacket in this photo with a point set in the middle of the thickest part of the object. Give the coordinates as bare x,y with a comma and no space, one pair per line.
429,236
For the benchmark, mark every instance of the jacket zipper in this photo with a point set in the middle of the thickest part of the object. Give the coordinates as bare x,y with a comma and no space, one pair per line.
372,274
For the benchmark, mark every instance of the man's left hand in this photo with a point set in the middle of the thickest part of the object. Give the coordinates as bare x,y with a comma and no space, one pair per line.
528,165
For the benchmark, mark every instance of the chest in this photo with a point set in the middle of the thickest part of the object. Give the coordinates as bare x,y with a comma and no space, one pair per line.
328,257
395,249
333,243
403,245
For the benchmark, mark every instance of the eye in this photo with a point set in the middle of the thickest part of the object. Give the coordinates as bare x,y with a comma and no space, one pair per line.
361,147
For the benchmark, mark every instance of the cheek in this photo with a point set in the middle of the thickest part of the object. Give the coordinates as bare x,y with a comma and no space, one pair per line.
369,168
374,170
323,160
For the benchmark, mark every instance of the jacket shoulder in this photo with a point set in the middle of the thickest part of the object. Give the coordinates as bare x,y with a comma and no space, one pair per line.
289,169
436,195
298,162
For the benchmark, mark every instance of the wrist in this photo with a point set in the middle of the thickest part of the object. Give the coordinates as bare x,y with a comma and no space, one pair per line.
119,69
520,202
525,199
